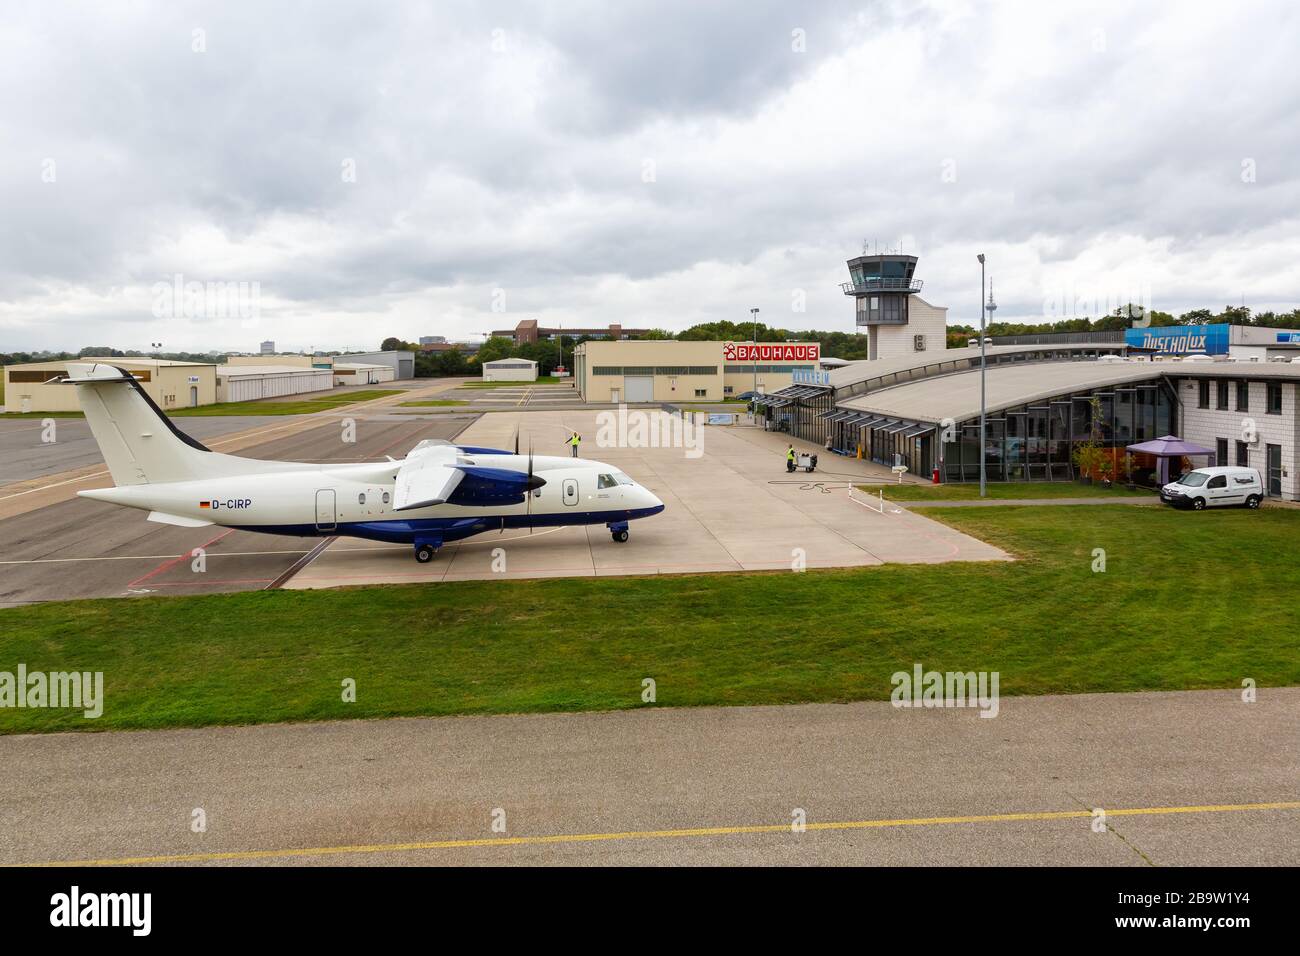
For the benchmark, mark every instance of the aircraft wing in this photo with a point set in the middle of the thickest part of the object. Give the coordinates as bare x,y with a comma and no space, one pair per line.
427,478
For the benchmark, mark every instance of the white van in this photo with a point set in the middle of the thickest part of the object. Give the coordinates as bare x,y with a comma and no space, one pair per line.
1210,487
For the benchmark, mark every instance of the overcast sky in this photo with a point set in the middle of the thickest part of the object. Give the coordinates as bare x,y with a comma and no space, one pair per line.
420,169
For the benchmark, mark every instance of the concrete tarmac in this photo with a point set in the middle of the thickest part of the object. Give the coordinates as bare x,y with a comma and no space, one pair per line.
1196,777
78,548
730,505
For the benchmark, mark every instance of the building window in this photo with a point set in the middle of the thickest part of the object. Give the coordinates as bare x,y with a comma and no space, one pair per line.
1222,395
1274,404
1220,451
1243,454
1203,394
25,377
701,392
1243,396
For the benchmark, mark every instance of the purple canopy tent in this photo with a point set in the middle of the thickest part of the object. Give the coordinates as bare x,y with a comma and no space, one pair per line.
1168,447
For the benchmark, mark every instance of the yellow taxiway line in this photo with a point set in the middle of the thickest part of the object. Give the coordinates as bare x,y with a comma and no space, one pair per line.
562,838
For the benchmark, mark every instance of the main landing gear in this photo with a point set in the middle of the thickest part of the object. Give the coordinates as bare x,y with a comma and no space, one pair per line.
426,549
618,530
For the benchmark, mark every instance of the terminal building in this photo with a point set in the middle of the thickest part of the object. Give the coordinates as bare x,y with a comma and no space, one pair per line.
670,370
1042,401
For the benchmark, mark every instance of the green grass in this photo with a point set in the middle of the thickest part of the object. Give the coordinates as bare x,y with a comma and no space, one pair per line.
1047,623
41,414
300,407
1002,491
435,403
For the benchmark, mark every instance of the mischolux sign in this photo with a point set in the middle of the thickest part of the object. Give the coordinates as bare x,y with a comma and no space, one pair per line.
771,351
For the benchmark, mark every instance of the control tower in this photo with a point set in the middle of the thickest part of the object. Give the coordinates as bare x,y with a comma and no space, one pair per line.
888,308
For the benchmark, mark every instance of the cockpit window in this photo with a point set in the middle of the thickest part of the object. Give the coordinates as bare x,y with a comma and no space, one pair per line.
623,479
606,481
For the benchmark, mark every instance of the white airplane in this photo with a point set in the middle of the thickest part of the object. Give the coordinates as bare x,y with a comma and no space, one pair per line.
440,492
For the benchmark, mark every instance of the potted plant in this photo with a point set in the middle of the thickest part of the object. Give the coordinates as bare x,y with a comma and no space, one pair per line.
1106,468
1088,455
1080,456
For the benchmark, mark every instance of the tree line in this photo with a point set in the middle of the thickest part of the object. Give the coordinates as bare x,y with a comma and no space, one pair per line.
834,344
842,345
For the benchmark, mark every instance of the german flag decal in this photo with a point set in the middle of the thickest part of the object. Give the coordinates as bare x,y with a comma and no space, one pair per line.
205,504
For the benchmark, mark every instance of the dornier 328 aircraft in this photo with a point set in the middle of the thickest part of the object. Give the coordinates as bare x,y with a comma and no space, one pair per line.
440,492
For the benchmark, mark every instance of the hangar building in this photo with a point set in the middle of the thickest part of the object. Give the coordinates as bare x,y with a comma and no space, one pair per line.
669,370
247,383
362,373
510,370
296,360
31,387
402,363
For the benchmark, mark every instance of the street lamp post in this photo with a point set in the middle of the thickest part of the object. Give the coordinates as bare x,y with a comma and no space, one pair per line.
983,450
754,354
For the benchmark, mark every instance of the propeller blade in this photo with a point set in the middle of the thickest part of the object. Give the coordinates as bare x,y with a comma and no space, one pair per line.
530,484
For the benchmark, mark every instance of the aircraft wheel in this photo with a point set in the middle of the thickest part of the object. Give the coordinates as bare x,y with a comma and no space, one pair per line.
424,553
619,536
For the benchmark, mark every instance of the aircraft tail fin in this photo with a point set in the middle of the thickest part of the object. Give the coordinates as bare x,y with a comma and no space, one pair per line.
139,443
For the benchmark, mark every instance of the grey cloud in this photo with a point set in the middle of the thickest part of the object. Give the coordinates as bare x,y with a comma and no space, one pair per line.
523,168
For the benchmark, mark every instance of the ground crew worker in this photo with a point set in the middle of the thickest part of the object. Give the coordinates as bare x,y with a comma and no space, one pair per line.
789,459
573,443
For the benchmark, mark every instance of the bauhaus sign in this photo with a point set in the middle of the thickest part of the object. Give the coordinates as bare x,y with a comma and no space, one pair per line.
771,351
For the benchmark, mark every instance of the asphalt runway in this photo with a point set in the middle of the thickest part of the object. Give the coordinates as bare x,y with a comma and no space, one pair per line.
24,455
1188,778
80,548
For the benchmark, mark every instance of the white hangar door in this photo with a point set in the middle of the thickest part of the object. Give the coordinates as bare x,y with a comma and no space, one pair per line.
639,388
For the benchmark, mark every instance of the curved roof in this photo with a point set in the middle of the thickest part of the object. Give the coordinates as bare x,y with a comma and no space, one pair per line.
957,395
863,371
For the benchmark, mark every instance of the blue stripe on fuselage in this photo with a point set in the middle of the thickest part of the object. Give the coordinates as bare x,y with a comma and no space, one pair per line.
407,530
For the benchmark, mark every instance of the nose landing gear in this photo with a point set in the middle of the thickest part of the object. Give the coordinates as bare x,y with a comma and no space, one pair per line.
618,530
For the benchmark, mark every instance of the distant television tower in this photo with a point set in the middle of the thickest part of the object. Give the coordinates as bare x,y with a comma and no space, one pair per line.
991,306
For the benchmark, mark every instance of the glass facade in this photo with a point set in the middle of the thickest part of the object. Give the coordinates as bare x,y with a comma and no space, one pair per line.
801,417
1035,442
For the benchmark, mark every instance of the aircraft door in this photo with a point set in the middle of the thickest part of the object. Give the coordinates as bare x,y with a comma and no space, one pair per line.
325,514
570,491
